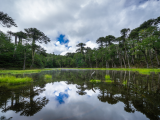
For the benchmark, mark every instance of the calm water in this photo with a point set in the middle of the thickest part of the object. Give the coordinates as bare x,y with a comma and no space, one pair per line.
70,95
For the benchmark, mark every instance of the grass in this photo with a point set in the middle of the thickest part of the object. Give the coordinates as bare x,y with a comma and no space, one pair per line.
107,77
95,80
108,81
144,71
13,80
24,71
48,76
124,82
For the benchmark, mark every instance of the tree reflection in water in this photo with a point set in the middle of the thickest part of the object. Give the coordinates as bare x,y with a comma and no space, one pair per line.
137,92
23,100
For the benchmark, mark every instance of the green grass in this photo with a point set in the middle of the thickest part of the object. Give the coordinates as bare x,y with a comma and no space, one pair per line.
24,71
107,77
144,71
124,82
109,81
95,80
13,80
48,76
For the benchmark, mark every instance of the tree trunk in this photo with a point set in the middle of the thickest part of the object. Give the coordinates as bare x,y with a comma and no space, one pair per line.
128,60
107,66
145,58
15,40
124,62
150,58
157,58
96,63
24,64
33,54
90,62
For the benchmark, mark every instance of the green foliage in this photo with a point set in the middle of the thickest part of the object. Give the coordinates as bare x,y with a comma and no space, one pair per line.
109,81
124,82
6,21
24,71
95,81
107,77
13,80
48,76
140,70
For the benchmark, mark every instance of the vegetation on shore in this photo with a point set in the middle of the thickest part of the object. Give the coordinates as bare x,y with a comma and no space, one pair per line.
24,71
139,47
13,80
96,81
140,70
48,76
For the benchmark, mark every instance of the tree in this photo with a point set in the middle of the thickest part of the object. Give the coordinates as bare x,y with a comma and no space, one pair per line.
124,32
109,39
100,41
81,47
36,36
6,21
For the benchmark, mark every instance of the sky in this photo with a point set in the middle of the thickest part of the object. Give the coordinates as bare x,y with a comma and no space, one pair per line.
69,22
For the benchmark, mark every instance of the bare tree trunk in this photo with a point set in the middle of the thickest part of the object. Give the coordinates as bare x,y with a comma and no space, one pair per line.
33,54
96,63
150,58
124,62
145,58
90,62
157,58
128,60
24,64
15,40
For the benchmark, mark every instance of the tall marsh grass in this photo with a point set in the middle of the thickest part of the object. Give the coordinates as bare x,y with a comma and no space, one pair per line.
13,80
48,76
95,81
24,71
107,77
144,71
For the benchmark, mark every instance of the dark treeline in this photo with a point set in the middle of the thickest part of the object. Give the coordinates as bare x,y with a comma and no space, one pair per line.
24,52
139,47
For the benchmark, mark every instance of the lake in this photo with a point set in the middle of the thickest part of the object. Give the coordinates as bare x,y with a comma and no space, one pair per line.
70,95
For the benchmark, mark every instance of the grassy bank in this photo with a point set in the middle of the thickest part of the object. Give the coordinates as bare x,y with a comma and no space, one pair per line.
13,80
24,71
140,70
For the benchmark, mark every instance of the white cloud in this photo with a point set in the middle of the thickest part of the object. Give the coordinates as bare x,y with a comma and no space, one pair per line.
79,20
91,44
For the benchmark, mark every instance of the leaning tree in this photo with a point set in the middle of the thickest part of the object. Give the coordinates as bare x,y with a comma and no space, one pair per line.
36,36
6,21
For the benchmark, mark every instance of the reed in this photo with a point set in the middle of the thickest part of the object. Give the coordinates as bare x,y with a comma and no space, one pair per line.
48,76
144,71
95,80
24,71
109,81
124,82
13,80
107,77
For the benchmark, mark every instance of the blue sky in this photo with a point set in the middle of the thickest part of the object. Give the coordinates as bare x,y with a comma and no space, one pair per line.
69,22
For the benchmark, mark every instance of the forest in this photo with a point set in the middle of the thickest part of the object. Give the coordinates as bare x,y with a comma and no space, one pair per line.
137,48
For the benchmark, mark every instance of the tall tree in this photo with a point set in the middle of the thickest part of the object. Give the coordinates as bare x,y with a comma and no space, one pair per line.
100,41
6,21
36,36
124,32
109,40
81,47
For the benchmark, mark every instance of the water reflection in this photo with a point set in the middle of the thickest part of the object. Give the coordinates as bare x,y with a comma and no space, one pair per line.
71,95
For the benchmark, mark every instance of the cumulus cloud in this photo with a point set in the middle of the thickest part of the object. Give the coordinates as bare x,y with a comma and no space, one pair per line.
80,21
